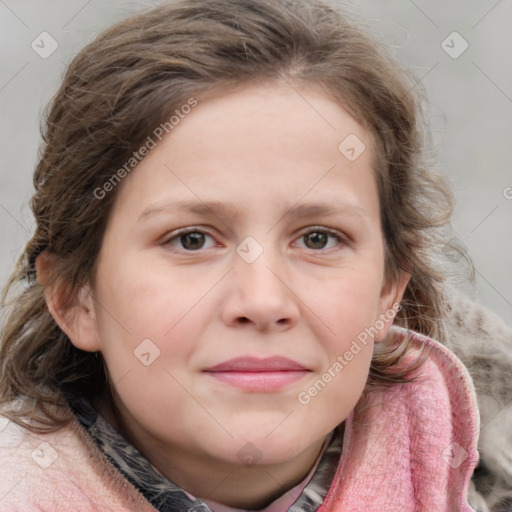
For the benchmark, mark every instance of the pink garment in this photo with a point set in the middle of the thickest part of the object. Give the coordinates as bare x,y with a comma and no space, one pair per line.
413,450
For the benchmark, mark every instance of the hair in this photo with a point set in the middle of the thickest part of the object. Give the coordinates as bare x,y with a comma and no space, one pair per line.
130,80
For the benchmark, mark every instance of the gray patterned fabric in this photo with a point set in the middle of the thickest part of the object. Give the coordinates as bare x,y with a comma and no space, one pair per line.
483,342
168,497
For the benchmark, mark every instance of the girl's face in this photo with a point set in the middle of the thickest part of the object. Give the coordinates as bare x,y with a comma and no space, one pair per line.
243,257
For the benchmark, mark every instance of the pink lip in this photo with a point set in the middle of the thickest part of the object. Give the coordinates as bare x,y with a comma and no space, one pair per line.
255,374
255,364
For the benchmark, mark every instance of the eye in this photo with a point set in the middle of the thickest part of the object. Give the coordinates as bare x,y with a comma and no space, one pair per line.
191,240
321,239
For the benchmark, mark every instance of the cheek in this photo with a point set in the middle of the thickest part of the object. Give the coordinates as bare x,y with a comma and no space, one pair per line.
350,313
149,322
348,310
148,301
147,362
348,303
327,399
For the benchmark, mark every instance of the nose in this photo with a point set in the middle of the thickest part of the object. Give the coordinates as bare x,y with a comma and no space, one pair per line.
260,294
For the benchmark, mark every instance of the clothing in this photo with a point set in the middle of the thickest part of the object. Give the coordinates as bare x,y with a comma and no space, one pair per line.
408,447
483,342
165,496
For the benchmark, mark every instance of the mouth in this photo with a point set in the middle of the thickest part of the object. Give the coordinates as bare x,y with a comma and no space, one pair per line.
259,375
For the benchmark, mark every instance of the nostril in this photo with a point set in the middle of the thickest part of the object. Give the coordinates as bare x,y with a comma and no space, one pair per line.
245,320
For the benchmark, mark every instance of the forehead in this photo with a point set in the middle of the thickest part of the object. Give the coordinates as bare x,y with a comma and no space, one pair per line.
256,144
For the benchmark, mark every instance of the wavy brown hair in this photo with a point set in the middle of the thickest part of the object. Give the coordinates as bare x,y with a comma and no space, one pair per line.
131,79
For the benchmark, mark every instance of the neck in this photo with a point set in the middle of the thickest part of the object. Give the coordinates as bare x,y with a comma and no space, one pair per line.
247,487
234,485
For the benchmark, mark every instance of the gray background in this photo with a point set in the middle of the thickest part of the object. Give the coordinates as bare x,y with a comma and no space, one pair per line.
470,109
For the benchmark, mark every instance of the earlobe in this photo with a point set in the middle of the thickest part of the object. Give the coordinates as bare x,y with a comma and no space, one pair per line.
389,304
72,310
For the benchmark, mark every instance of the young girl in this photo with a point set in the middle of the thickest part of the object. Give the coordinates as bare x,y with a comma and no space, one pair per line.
231,294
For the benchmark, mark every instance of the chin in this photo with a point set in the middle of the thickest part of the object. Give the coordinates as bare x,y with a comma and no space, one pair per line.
253,444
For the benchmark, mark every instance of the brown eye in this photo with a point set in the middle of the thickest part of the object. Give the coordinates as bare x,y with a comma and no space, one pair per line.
316,240
319,239
190,241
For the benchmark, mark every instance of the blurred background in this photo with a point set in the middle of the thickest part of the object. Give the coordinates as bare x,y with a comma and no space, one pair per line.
459,50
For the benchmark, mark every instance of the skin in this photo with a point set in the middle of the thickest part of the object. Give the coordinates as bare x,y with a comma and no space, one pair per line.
261,150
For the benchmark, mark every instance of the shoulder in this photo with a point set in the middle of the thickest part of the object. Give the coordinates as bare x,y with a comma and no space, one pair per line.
51,471
473,331
412,443
442,367
483,341
442,396
28,464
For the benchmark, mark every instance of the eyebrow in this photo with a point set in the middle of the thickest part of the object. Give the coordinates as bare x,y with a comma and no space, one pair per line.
223,210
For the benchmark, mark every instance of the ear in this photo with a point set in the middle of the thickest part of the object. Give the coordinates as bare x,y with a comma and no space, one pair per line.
72,310
389,304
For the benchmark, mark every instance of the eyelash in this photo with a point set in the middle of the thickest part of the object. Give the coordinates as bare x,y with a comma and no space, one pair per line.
314,229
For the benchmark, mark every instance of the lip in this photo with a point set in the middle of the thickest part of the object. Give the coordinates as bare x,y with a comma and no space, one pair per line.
256,364
258,374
